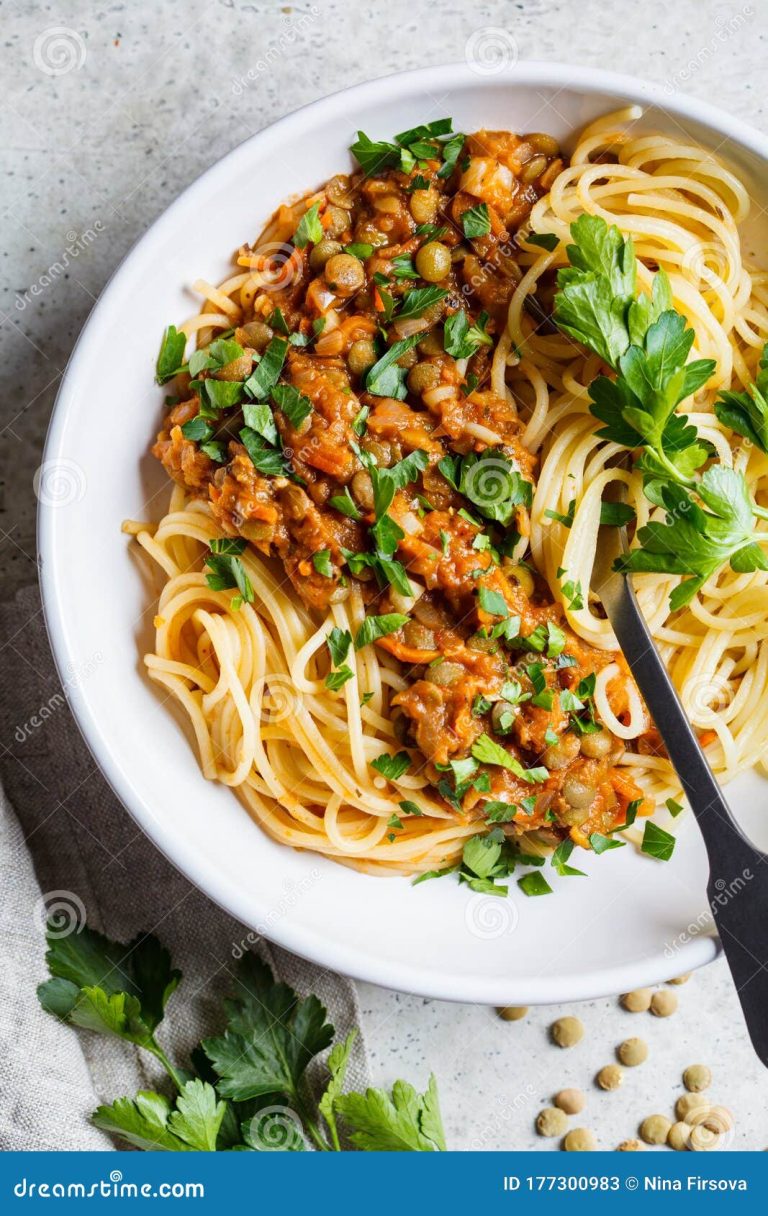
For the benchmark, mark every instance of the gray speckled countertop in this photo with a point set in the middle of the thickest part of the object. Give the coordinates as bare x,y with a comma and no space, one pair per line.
108,112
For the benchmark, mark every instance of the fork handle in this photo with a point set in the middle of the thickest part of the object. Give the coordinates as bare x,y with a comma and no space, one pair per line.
738,880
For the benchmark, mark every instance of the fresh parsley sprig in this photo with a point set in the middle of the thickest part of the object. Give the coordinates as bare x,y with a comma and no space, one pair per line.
710,516
260,1060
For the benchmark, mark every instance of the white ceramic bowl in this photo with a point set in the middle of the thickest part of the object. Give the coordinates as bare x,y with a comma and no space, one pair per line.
633,921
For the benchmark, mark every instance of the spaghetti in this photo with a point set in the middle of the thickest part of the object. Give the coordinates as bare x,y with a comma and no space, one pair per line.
254,674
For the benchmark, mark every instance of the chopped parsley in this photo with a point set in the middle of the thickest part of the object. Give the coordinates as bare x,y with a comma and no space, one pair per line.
345,504
534,884
657,843
310,229
462,338
487,751
385,378
226,569
392,767
294,404
170,360
419,300
267,371
375,627
492,602
323,564
338,643
338,678
490,481
476,221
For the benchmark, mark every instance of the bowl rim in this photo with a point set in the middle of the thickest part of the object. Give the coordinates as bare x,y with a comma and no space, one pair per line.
302,940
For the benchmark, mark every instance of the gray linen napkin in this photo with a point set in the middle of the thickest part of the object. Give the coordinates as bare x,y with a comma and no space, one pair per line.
74,841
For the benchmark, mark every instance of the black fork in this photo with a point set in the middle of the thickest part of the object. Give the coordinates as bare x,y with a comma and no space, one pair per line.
738,874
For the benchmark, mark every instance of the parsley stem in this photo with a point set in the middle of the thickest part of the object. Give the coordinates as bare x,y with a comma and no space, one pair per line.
761,513
674,473
310,1122
314,1132
178,1079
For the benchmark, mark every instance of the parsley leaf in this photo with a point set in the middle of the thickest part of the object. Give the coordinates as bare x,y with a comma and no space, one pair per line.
487,751
392,767
338,678
197,429
461,339
404,1121
345,504
271,1037
268,460
294,404
374,627
103,986
656,842
418,301
374,155
149,1122
490,481
322,563
747,413
534,884
696,542
597,289
560,858
600,843
339,642
226,568
310,229
451,151
385,378
492,602
545,240
386,482
171,357
481,854
267,370
338,1061
476,221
